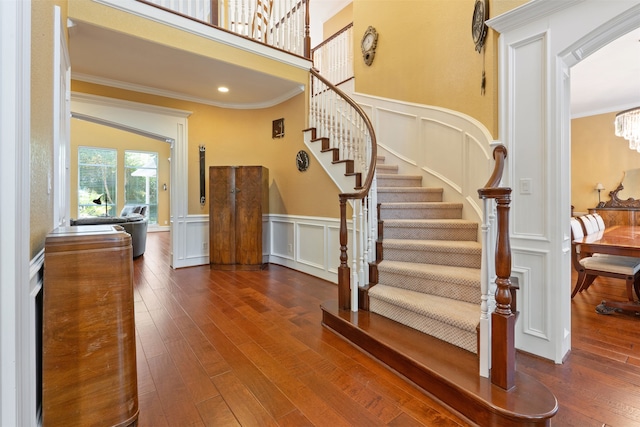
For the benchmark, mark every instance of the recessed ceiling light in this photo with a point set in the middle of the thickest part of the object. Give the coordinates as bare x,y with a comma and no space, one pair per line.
223,89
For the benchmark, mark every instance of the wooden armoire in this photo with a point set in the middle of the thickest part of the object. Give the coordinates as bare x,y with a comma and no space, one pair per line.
238,199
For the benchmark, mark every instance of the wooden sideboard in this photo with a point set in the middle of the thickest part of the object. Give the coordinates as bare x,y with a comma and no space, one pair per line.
618,216
89,375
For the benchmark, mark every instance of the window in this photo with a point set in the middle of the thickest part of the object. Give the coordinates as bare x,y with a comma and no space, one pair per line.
97,172
141,181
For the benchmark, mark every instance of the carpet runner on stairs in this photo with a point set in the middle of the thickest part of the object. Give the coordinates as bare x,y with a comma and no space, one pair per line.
429,276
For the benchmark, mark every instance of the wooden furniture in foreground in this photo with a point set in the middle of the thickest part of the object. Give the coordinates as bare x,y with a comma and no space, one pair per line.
238,198
89,374
617,240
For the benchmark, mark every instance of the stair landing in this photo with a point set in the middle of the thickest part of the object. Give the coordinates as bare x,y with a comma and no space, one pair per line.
443,370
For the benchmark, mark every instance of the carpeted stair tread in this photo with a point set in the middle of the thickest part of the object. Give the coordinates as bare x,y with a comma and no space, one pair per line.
463,275
414,205
458,283
431,229
410,189
459,246
444,223
387,169
463,253
447,319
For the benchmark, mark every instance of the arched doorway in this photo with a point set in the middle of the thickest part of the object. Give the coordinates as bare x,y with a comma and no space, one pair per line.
539,42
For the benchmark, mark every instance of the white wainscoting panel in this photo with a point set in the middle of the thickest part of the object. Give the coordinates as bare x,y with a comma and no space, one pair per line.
197,240
443,153
282,238
530,267
310,241
307,244
402,129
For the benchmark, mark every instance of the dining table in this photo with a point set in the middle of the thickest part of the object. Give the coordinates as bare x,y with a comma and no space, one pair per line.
623,240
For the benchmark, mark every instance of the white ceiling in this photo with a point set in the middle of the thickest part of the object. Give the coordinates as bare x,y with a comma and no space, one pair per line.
608,80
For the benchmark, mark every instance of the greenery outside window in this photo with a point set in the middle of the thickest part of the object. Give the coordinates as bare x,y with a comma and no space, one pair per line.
97,179
141,181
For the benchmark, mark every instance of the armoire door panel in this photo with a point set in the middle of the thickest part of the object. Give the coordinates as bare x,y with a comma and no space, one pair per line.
222,215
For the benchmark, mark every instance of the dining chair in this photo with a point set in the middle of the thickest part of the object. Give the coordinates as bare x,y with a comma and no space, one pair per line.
590,266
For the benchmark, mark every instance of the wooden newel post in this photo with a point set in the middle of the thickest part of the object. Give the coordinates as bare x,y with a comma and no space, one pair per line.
344,294
503,351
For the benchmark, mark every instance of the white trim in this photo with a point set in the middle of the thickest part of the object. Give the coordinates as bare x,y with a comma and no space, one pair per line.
304,243
17,405
172,125
538,43
533,10
177,95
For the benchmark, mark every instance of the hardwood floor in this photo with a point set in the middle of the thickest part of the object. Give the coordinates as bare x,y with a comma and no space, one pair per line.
218,348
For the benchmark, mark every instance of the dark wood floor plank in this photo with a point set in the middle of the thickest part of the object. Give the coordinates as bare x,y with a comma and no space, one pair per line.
151,411
242,402
269,395
216,413
192,372
306,400
177,405
208,357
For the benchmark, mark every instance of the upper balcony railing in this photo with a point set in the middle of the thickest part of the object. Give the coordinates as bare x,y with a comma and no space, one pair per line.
333,58
283,24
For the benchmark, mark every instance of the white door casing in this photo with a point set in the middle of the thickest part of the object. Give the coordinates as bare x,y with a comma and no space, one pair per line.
538,44
161,123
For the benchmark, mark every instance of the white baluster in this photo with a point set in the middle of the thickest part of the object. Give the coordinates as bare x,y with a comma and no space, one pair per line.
354,267
484,352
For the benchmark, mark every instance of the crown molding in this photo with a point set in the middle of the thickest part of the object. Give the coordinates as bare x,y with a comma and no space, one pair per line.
177,95
528,12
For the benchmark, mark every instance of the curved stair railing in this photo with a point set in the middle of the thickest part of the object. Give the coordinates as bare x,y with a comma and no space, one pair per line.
343,128
499,330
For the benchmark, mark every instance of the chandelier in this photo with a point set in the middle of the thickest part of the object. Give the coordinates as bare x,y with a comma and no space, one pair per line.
628,126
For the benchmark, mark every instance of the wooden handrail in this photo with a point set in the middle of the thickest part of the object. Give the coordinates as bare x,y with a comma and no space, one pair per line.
336,34
499,155
344,280
366,186
503,350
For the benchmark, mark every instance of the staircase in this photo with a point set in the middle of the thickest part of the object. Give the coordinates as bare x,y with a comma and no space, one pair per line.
429,265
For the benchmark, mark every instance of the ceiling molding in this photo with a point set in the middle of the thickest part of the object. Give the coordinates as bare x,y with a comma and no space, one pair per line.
177,95
528,12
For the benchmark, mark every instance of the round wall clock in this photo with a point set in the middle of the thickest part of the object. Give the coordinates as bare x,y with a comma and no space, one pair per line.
302,160
368,45
478,27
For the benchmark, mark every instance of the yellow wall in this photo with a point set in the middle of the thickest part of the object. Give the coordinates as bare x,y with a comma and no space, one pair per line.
597,155
243,137
426,55
95,135
338,21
